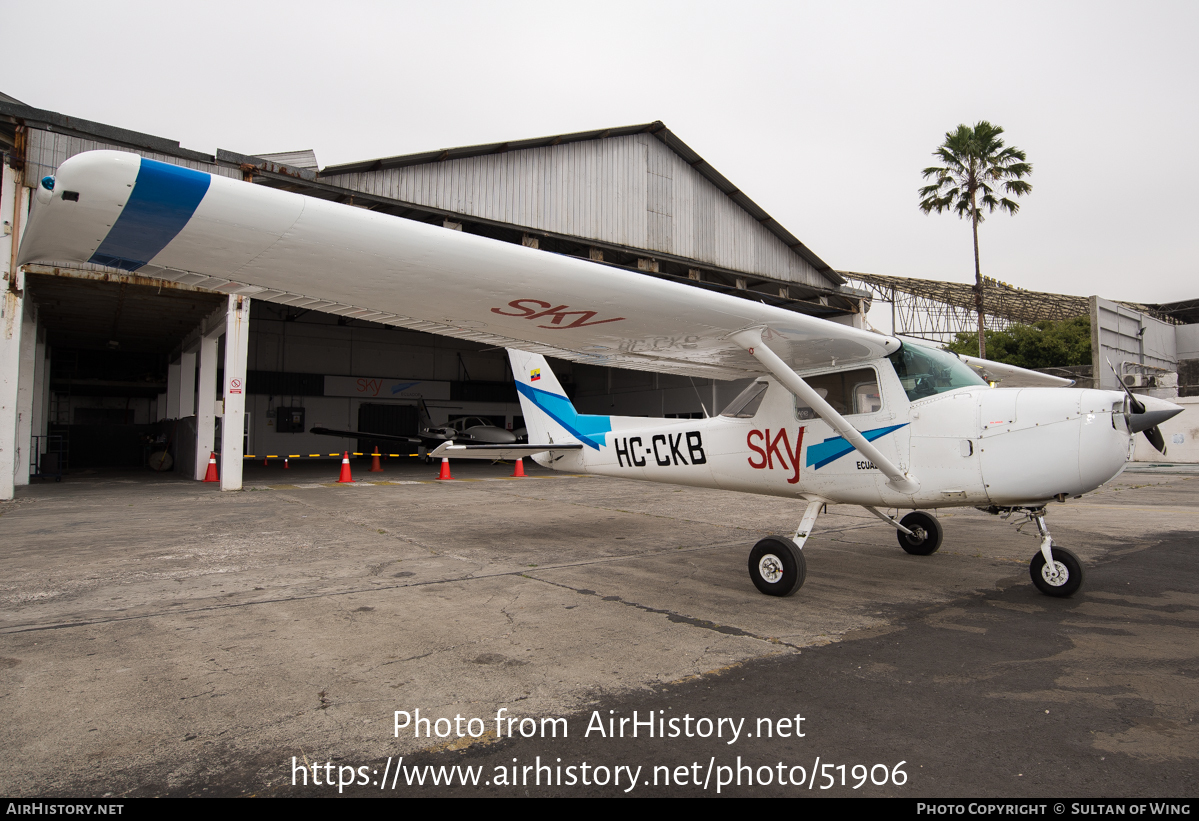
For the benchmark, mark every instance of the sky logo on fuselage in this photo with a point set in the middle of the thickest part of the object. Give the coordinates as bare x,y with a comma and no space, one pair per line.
774,448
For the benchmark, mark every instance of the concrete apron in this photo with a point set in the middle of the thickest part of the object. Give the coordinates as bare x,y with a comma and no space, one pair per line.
159,633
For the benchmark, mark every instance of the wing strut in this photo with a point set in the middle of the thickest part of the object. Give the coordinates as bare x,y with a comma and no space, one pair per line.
751,341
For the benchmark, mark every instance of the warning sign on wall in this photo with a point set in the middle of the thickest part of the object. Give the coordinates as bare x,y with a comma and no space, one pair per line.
235,385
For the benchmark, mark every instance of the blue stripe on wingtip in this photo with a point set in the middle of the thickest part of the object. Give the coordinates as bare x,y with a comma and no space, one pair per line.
162,201
588,429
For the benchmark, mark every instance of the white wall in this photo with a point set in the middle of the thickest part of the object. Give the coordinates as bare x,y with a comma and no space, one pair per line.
1186,339
1184,426
1122,335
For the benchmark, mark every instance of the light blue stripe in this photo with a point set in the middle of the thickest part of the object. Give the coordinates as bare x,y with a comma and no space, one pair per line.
161,203
588,429
833,448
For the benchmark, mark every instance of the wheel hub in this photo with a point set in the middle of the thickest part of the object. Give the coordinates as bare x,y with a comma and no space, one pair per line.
1055,574
770,568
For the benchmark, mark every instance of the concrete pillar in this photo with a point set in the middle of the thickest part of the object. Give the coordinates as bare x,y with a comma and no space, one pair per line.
39,391
237,351
43,423
187,384
173,391
12,308
28,360
160,407
206,403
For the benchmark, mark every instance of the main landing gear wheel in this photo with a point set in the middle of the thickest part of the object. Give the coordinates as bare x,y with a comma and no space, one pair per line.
777,566
926,534
1067,578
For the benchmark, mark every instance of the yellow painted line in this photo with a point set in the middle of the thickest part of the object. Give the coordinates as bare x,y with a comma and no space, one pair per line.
249,456
314,454
294,456
335,454
272,456
356,454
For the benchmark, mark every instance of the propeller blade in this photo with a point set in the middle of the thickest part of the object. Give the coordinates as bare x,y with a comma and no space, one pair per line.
1135,404
1154,435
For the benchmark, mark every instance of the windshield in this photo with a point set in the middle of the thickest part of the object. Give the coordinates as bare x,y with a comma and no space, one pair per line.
928,371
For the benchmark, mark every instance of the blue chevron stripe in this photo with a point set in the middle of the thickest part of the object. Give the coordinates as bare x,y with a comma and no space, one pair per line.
588,429
833,448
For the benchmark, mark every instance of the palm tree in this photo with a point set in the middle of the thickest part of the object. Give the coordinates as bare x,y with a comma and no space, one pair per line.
975,159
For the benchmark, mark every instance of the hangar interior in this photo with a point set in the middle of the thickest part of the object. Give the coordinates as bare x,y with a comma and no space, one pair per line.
101,367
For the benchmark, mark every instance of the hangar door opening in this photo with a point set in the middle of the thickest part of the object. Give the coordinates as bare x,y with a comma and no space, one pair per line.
393,420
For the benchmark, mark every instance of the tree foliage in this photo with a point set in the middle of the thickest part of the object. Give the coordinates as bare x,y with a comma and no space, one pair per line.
1045,344
976,163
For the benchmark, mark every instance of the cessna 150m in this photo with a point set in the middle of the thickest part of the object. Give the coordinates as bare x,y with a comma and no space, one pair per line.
836,414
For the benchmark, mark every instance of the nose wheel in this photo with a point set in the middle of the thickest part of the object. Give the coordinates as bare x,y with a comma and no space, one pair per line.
1060,579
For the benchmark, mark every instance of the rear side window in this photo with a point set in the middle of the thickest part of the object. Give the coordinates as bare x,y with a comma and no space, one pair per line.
747,402
849,392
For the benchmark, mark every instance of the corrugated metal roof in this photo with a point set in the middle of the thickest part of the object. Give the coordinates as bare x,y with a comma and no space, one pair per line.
657,128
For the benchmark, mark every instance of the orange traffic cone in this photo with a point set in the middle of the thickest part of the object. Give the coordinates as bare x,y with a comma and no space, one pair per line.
519,471
375,468
286,466
445,470
211,476
345,468
264,461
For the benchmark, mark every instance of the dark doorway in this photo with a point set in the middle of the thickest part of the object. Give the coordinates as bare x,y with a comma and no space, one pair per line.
395,420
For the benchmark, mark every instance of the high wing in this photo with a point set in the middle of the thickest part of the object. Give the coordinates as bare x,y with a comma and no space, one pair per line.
121,210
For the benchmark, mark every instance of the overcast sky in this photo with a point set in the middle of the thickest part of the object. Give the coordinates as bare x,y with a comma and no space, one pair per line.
824,113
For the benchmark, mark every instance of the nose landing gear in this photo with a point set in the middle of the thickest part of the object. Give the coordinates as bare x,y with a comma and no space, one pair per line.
1055,571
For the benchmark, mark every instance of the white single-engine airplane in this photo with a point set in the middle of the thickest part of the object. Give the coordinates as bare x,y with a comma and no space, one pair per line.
836,415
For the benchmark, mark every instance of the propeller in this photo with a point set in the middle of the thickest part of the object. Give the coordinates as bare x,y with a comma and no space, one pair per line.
1142,420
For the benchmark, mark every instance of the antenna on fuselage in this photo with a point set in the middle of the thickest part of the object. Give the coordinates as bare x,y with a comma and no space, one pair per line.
700,398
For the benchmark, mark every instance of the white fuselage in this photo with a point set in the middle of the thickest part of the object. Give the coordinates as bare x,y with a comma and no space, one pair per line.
965,447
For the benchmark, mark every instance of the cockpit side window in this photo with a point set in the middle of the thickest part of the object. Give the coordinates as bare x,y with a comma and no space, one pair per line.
849,392
746,405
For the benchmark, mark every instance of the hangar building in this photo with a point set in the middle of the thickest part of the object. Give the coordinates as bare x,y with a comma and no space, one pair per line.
103,367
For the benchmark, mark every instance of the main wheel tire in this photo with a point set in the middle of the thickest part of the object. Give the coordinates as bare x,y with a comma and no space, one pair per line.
926,533
777,566
1069,573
